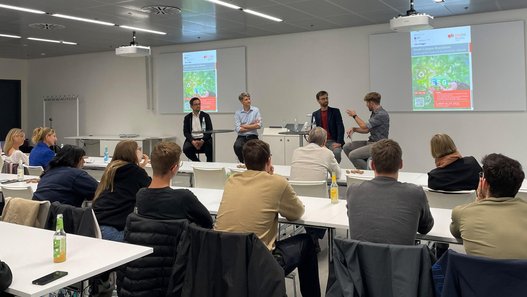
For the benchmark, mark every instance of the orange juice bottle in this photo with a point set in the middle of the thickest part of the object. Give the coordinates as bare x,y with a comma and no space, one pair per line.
59,241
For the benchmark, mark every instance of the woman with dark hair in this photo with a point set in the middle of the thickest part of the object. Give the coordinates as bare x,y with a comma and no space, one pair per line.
115,197
64,180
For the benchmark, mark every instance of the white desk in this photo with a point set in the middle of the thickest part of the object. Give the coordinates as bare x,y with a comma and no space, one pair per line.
319,212
28,252
110,141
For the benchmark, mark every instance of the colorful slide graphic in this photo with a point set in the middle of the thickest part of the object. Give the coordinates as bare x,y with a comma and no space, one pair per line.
442,69
200,79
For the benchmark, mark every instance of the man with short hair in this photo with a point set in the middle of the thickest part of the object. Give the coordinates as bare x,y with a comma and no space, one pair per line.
313,161
495,224
247,121
384,210
330,119
378,126
195,140
252,201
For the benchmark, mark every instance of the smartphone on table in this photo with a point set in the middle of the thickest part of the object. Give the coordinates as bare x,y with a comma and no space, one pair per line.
46,279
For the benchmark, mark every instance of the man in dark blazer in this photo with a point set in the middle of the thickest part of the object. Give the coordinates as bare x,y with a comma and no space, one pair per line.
330,119
195,140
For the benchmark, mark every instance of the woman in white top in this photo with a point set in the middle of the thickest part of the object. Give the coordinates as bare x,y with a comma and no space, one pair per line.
14,139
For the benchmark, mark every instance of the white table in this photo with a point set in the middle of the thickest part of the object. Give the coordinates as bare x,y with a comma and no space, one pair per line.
28,252
146,142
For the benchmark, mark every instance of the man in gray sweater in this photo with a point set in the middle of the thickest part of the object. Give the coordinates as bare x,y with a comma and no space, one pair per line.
384,210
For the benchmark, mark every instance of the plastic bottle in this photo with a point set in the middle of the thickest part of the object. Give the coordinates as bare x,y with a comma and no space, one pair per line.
106,156
203,124
334,189
20,171
296,125
59,241
313,123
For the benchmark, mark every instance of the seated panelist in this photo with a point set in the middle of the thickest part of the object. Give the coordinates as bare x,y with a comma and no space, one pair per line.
195,140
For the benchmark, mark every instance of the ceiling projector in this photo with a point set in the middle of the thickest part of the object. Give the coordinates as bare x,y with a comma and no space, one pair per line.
412,21
133,50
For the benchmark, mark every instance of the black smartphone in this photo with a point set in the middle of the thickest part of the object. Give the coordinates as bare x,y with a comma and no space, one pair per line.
46,279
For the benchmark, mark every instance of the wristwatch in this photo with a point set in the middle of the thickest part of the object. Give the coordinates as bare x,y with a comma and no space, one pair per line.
354,116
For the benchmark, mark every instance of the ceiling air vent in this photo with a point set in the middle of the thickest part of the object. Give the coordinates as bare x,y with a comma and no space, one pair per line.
46,26
161,9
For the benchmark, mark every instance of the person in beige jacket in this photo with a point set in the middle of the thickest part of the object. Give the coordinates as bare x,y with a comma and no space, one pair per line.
252,201
494,225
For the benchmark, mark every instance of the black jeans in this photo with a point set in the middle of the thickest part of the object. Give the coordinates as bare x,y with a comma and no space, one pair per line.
299,252
190,151
238,145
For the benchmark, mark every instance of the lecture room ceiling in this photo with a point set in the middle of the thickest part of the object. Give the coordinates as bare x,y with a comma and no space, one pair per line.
197,20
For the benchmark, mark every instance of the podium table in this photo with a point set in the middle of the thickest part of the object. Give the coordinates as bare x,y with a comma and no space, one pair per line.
212,134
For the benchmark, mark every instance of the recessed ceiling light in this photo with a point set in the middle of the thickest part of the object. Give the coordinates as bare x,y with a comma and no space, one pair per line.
143,30
439,1
263,15
9,36
22,9
46,26
226,4
81,19
52,41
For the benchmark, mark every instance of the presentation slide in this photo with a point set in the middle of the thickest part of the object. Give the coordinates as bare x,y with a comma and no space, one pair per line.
442,69
200,79
459,69
216,76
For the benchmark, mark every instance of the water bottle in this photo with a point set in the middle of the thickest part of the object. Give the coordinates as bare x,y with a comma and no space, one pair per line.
203,124
313,123
106,157
20,171
334,189
59,241
296,125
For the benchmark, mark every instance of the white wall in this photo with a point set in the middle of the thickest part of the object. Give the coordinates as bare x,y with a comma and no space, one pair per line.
15,69
283,72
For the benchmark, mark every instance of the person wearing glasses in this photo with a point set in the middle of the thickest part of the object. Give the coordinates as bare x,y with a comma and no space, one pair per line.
195,140
453,172
494,225
330,119
247,121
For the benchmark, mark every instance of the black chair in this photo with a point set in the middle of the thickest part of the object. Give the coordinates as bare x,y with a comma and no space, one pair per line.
213,263
380,270
471,276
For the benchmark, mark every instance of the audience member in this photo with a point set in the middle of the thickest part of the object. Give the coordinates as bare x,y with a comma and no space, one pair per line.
64,180
115,197
494,225
14,139
384,210
330,119
247,121
252,201
378,126
195,140
453,172
313,161
161,202
43,138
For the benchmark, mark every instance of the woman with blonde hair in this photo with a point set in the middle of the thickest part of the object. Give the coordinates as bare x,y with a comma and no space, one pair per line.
41,154
14,139
453,172
115,197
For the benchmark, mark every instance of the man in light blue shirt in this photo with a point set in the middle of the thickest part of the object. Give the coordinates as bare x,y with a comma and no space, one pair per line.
247,121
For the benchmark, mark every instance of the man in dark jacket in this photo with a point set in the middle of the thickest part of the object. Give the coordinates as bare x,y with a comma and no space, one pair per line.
195,140
330,119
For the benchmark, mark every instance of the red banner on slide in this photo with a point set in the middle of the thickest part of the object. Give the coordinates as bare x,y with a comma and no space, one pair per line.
208,103
452,99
